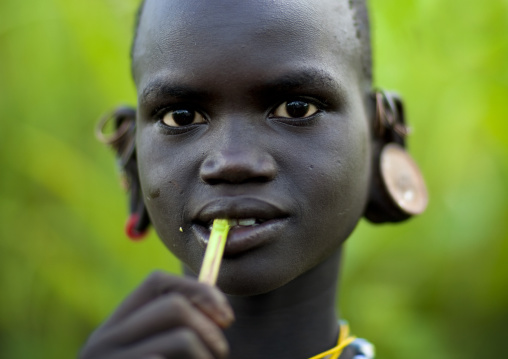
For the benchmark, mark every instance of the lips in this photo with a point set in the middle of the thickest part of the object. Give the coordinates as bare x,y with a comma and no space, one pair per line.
256,222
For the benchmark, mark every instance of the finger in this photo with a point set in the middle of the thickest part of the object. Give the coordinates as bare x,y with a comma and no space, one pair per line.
165,313
177,344
208,299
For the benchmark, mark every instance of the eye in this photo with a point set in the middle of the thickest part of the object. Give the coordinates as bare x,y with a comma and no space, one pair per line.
295,109
182,117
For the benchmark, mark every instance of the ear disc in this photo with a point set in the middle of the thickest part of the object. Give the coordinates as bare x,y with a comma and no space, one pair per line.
397,189
403,180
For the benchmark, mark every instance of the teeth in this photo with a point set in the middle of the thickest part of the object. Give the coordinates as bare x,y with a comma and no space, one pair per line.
247,222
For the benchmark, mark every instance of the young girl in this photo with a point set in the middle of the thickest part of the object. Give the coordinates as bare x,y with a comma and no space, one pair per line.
260,112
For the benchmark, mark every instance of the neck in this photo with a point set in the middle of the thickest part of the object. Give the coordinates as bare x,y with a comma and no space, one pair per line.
297,320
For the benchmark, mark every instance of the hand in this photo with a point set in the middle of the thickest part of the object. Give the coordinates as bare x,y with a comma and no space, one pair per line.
165,317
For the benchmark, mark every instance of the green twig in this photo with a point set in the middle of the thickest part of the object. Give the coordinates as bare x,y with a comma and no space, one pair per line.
214,250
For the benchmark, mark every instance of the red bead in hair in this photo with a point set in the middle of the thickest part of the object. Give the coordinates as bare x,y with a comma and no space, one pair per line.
130,228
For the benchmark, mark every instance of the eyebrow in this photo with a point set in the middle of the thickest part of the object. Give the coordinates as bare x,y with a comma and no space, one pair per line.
302,78
161,87
306,79
314,82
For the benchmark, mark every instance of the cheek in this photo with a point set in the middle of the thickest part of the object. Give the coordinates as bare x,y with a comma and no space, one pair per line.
161,194
336,182
164,172
164,177
353,172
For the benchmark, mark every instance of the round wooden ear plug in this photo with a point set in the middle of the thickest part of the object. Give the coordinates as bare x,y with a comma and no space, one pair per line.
403,179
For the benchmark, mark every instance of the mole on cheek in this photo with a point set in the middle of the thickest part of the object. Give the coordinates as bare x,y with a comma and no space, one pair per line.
154,193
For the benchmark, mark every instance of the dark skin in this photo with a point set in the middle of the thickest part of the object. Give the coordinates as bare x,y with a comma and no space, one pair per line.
255,111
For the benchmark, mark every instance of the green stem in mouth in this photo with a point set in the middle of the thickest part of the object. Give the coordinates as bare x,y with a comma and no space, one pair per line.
214,250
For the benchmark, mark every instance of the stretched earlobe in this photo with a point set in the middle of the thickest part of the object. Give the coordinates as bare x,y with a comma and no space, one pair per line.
397,189
122,140
117,130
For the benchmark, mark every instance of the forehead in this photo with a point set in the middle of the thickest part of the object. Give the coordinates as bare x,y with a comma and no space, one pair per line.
178,36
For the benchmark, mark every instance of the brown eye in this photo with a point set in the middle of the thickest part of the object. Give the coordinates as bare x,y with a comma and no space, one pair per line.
295,109
178,118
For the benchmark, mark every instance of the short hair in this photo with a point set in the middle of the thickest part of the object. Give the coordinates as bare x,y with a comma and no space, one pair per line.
361,22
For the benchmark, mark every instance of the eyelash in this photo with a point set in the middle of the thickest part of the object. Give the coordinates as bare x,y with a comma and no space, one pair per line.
161,112
299,121
312,107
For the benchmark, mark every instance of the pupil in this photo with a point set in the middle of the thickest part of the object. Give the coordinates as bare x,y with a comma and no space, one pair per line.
183,117
297,108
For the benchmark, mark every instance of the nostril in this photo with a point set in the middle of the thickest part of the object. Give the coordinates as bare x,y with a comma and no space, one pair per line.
215,181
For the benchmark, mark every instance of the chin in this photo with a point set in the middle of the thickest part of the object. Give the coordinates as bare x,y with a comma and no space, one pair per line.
247,288
252,282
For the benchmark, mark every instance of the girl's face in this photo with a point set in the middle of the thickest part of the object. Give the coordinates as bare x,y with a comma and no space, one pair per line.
252,111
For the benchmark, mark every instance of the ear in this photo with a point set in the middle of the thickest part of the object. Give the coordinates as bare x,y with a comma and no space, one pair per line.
138,222
122,141
397,189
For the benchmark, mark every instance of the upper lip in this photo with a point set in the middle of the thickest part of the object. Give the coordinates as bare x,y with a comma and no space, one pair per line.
239,207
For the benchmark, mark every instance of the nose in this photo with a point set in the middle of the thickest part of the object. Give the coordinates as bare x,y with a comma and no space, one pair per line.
238,160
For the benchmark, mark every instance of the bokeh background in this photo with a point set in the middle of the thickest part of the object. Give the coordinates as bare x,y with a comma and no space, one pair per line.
435,287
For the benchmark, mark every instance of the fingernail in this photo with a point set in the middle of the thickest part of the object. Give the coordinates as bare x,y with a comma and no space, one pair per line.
223,347
227,316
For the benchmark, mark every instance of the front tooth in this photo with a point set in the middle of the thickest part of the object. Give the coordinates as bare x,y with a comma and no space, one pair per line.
247,222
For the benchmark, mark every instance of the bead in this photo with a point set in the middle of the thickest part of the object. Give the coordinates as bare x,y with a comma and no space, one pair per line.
364,349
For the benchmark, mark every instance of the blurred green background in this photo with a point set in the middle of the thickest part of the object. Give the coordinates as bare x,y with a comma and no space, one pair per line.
436,287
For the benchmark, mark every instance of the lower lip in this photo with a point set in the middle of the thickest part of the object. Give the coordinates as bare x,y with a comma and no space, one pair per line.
241,239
